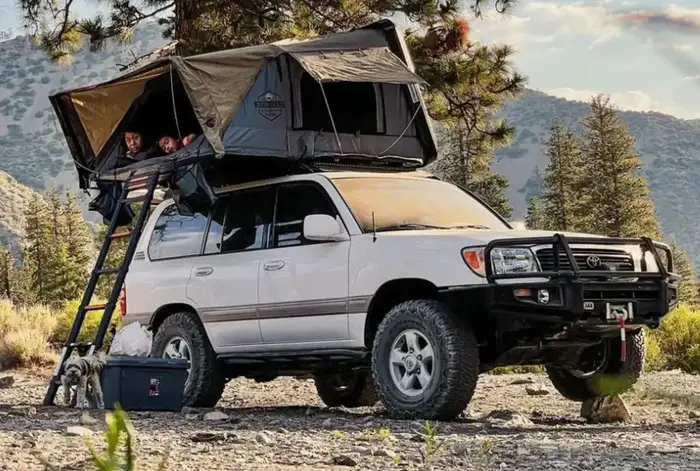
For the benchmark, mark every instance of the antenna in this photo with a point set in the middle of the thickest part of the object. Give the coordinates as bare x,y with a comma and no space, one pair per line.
374,229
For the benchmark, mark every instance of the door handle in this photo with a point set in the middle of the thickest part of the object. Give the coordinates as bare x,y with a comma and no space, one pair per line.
276,265
203,271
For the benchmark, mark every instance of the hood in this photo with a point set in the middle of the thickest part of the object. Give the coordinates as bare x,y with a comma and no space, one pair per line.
482,236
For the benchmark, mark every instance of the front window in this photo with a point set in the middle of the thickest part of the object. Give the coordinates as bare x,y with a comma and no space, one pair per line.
401,203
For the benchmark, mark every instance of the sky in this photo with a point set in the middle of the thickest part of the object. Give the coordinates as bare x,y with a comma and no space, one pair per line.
574,49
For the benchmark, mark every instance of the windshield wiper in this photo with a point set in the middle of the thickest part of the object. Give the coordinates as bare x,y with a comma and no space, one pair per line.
399,227
470,226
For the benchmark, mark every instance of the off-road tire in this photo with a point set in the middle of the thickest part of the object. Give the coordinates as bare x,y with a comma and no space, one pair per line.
457,367
361,393
206,383
616,378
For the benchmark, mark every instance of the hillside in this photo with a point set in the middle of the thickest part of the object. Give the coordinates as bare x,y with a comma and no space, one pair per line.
33,150
669,147
32,146
14,198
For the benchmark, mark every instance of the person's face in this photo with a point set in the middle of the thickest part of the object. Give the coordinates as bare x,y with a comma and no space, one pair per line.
133,141
169,144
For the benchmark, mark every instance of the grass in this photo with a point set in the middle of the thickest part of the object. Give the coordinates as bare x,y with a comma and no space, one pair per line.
29,335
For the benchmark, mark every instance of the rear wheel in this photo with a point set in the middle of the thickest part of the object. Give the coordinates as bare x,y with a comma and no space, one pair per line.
181,335
613,376
354,389
425,361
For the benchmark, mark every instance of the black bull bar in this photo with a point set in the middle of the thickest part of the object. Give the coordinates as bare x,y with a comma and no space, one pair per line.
574,282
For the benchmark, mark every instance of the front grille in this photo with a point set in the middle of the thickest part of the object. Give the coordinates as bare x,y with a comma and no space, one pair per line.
610,259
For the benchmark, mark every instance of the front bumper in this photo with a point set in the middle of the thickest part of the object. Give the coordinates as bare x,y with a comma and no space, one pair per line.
583,298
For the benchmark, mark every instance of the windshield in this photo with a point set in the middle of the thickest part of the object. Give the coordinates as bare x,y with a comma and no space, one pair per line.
402,203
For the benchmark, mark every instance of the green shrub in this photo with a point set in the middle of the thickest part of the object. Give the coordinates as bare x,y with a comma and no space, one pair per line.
24,334
66,316
678,341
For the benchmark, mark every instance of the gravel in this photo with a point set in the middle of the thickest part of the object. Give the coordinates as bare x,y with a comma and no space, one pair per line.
282,425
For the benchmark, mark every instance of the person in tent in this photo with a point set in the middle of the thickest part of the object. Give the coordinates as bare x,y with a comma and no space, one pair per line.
135,152
170,144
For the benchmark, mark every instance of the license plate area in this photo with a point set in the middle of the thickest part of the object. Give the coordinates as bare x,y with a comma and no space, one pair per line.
615,311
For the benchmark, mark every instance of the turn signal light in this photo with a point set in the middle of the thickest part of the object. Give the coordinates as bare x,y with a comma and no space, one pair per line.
474,258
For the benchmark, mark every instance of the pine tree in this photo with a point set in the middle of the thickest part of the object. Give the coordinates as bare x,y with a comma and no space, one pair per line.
203,26
7,265
687,291
618,201
80,247
535,218
561,198
45,254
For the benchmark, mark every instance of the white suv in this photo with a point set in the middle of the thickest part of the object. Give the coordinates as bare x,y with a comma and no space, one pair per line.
396,286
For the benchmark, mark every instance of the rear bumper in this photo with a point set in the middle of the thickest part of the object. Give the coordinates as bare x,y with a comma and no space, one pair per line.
583,298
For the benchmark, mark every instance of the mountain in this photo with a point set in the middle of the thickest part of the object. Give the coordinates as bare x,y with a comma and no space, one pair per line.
14,198
33,149
32,146
669,147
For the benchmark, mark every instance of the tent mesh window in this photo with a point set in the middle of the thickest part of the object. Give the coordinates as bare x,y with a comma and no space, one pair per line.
353,105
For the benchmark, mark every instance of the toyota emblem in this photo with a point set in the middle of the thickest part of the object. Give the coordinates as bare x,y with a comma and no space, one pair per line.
593,261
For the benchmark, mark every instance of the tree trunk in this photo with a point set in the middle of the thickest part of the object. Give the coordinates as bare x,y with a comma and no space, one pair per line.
186,12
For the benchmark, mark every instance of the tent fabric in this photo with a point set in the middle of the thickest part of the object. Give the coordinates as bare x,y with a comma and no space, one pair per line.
104,107
377,64
217,84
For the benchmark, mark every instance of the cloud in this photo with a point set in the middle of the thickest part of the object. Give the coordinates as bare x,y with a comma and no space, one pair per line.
633,100
546,22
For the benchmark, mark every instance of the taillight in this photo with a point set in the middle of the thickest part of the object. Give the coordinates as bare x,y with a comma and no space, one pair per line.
474,258
122,301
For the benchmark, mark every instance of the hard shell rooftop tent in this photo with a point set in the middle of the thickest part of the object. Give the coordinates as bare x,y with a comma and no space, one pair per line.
347,97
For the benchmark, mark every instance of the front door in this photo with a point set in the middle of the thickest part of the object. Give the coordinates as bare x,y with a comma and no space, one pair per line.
224,281
303,284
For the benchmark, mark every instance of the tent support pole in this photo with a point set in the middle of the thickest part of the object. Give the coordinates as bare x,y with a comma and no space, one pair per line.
328,107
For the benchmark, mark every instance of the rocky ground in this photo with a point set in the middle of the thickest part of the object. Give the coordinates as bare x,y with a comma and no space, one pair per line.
282,425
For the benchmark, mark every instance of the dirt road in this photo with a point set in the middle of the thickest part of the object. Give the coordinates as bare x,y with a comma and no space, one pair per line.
282,425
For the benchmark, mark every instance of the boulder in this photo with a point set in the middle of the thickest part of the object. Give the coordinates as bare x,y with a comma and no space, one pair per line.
606,409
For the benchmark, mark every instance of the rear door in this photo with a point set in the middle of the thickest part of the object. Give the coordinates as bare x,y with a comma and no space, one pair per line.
224,280
303,283
163,263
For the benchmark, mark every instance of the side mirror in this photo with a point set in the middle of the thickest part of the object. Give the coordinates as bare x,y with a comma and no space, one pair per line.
323,227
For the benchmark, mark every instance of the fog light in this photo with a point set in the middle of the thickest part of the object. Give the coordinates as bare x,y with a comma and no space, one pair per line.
543,296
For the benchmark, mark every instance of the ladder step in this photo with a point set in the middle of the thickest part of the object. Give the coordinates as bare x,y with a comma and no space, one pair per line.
95,307
79,344
118,235
108,271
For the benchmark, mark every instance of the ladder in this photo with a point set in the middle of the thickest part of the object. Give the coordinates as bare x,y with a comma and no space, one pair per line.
148,182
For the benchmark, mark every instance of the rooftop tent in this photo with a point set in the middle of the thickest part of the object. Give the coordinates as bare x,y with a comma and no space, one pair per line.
347,95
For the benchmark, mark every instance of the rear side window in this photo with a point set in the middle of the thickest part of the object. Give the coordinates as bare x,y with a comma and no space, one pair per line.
176,235
242,221
294,203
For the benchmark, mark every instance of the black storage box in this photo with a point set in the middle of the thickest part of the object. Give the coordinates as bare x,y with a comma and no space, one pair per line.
144,383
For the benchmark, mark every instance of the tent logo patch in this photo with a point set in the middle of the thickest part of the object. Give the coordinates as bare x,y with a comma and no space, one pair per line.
270,105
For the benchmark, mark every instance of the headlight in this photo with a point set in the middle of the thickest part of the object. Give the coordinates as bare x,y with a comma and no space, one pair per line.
503,260
513,260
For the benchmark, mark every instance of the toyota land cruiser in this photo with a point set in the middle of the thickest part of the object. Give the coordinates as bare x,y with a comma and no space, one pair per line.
396,286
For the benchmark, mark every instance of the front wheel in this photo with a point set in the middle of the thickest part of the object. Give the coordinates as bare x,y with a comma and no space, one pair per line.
355,389
615,377
425,361
181,336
